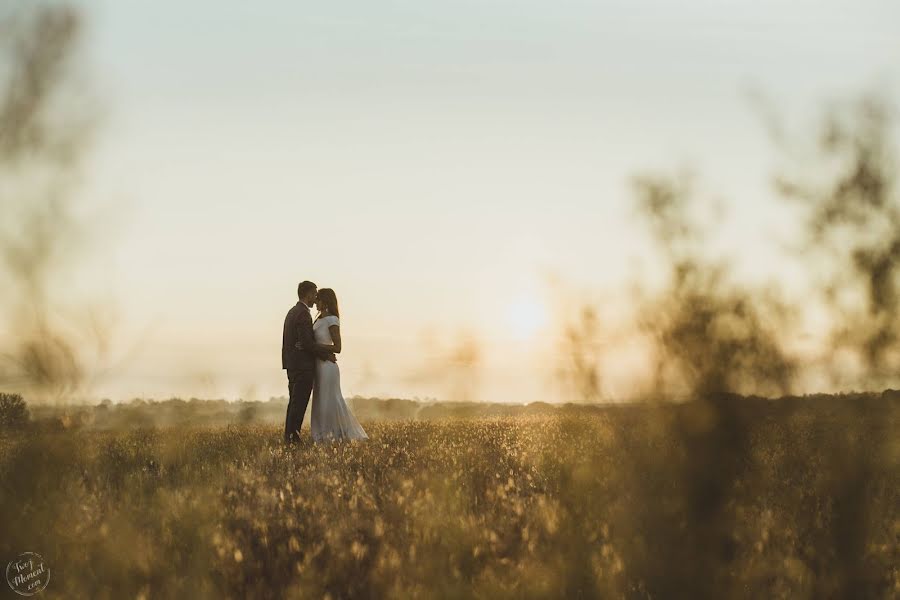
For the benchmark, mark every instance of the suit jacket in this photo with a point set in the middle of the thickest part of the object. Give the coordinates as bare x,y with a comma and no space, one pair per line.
298,327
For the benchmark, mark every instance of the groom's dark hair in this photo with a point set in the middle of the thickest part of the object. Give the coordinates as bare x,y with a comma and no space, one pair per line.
304,288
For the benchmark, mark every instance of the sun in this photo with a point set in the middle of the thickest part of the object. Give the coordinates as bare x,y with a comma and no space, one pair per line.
526,317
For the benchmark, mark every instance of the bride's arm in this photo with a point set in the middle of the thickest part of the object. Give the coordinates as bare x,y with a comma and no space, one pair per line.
329,349
335,347
307,341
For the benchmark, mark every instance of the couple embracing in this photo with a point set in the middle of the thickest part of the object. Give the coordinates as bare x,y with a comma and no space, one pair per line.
308,352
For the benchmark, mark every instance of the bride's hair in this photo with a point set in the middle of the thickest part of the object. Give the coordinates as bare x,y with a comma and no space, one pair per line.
329,299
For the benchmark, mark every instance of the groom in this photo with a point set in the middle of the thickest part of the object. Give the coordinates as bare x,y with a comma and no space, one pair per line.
300,364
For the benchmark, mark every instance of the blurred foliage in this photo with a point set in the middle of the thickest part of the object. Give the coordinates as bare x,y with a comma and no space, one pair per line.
710,334
846,188
13,411
579,356
43,133
713,337
45,127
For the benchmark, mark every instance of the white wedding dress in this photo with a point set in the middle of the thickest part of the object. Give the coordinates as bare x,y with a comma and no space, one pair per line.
331,418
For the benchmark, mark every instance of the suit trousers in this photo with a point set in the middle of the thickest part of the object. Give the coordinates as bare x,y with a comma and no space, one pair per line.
300,385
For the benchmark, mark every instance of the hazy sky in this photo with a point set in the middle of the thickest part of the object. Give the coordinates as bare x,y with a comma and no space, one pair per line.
433,162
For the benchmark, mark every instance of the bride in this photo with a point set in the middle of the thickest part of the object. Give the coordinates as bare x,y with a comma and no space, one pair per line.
331,418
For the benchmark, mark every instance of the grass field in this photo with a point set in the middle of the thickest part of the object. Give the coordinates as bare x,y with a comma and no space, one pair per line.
631,502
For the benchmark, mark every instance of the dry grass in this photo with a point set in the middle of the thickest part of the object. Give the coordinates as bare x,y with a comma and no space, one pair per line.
585,503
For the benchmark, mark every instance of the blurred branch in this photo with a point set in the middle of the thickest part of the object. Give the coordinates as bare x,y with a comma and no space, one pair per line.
579,369
852,226
43,136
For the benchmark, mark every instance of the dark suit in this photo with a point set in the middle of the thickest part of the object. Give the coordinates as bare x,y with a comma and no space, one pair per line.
300,366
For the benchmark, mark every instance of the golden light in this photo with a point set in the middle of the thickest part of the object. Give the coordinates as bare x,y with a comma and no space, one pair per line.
526,316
